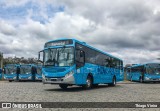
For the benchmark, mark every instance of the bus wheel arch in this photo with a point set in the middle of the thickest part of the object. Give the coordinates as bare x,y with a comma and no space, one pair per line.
140,79
113,81
89,82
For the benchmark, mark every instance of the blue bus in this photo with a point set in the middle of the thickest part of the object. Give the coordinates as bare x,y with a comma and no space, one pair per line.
0,73
149,72
27,72
70,62
39,73
11,72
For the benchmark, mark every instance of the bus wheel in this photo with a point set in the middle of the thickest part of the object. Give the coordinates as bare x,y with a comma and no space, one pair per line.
113,82
10,80
140,80
95,85
63,86
88,84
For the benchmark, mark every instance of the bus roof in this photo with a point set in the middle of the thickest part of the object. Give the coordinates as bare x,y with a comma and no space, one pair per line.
137,65
27,65
7,65
85,44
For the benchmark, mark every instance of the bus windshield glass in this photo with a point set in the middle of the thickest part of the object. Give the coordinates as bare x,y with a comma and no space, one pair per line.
10,70
153,69
59,56
39,70
25,70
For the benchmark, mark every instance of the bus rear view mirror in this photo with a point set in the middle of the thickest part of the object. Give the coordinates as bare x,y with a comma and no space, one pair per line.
40,56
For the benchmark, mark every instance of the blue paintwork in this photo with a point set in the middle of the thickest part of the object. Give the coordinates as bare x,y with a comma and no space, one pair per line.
12,76
135,76
57,71
100,74
30,76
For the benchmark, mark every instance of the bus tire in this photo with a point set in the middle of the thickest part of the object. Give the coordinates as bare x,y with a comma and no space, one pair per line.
140,80
63,86
89,83
113,82
95,85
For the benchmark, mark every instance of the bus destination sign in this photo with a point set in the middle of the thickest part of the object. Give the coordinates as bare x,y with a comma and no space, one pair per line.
58,43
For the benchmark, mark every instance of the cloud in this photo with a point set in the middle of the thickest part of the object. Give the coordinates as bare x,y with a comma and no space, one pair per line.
128,29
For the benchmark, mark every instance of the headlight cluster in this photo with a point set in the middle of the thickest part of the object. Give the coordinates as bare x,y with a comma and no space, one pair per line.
70,74
29,77
43,76
14,78
147,78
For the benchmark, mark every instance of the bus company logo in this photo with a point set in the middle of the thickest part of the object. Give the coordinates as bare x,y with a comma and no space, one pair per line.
6,105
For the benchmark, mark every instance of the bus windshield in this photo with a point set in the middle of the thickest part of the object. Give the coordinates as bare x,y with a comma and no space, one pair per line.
39,70
10,70
153,70
25,70
59,56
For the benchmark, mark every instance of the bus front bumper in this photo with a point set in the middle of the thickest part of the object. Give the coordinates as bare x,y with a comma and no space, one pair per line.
152,79
62,80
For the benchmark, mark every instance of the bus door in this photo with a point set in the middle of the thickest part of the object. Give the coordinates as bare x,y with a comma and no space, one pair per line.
80,62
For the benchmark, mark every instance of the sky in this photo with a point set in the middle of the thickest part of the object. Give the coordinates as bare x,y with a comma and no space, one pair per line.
127,29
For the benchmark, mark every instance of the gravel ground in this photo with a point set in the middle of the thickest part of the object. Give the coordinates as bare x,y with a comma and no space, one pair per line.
37,92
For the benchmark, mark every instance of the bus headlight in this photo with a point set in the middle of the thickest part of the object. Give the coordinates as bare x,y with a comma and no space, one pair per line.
147,78
69,74
29,77
43,76
14,78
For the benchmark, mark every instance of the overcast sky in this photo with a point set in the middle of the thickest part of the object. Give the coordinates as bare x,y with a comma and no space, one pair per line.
128,29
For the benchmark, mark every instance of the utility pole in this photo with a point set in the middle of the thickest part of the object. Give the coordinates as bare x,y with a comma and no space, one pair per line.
1,60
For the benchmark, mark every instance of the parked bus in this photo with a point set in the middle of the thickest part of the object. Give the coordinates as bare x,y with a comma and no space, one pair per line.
39,73
70,62
11,72
144,73
0,73
27,72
